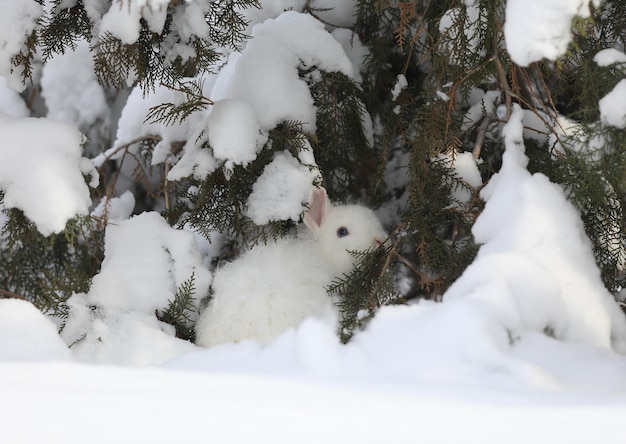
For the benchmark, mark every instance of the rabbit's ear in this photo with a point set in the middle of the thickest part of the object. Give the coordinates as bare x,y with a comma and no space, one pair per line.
318,210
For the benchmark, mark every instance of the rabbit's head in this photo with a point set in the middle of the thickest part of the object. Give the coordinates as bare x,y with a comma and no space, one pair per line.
340,229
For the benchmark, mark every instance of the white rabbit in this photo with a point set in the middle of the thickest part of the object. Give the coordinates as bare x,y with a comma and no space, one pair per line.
274,287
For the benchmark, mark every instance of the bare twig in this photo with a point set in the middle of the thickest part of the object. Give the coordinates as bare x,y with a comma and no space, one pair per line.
455,86
10,294
504,84
480,137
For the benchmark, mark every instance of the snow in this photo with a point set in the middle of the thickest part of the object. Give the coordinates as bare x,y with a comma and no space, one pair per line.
195,161
82,104
27,335
466,168
265,74
281,191
398,87
146,261
225,408
115,209
17,22
122,19
336,14
256,90
354,49
536,29
609,56
546,235
613,106
42,174
10,101
234,132
483,106
190,21
339,14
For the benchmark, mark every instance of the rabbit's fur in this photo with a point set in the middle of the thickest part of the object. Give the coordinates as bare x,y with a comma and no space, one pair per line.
274,287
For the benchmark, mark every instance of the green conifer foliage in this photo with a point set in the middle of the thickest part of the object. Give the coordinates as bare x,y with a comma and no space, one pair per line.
47,271
182,309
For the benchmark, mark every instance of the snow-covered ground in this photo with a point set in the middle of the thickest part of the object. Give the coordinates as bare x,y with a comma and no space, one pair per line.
70,403
526,347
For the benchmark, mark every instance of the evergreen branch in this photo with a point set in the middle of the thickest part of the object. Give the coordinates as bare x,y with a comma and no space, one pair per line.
170,113
227,24
364,290
181,310
25,57
63,28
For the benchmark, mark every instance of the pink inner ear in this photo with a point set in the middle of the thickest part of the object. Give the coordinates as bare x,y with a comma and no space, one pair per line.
318,209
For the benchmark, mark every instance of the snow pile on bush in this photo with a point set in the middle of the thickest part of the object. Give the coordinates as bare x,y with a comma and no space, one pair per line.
146,262
42,173
535,29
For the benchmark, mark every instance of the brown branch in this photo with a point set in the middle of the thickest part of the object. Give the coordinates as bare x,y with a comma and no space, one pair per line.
129,144
109,186
372,299
480,137
10,294
504,84
166,191
455,86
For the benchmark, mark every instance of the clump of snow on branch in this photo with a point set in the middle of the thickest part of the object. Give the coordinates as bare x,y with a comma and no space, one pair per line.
42,170
234,132
17,21
609,56
339,14
355,50
613,106
265,74
123,18
84,102
115,209
281,191
146,261
536,29
398,87
466,169
482,104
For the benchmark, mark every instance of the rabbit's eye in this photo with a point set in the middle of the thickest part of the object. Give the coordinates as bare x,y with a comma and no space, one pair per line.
342,232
